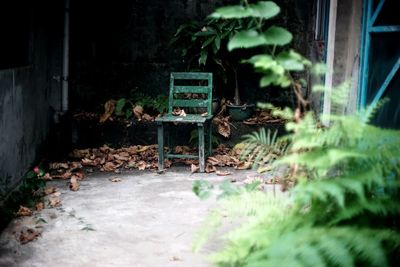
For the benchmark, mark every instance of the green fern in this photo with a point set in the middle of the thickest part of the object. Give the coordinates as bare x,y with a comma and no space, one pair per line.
263,147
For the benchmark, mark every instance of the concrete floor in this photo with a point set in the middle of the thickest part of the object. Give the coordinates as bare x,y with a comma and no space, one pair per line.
145,220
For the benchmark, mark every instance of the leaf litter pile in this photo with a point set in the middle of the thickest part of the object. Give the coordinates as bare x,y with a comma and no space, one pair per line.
139,157
108,159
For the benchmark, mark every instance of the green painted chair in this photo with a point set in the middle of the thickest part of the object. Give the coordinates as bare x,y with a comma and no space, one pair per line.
183,84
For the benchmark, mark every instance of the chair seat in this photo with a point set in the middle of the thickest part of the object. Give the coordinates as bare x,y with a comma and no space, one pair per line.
189,118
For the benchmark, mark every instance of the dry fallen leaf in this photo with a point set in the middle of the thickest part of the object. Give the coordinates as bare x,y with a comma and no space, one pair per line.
109,167
58,165
176,112
141,165
115,180
49,190
210,168
28,235
109,108
54,201
222,173
175,258
147,117
24,211
138,112
223,126
194,168
73,183
88,162
74,166
39,206
80,153
47,177
80,175
243,165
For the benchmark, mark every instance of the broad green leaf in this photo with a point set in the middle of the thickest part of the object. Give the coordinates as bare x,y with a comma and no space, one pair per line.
267,80
265,9
246,39
277,36
262,61
120,105
208,41
286,60
232,12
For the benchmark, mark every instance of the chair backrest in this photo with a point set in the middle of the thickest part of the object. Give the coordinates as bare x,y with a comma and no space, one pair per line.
182,83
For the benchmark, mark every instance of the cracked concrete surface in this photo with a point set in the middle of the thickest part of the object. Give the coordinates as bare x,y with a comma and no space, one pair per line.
145,220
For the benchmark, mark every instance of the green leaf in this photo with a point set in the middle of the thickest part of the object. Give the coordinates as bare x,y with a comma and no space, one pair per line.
265,9
277,36
208,41
232,12
261,61
289,61
217,42
202,188
267,80
30,174
246,39
120,105
128,113
203,57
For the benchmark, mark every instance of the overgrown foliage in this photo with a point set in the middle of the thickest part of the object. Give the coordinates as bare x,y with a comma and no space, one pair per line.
345,207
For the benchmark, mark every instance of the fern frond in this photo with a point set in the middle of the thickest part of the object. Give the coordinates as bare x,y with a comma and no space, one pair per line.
263,147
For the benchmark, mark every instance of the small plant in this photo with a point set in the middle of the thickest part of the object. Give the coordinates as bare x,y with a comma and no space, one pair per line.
204,46
263,147
26,194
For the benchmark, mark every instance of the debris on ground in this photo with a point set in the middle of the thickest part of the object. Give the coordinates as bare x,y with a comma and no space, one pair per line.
263,117
24,211
222,125
28,235
115,180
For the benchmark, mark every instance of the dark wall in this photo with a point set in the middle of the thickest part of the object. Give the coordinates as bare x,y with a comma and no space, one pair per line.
28,94
124,45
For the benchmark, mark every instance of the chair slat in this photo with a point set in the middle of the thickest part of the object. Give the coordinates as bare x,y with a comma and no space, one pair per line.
191,89
191,75
193,103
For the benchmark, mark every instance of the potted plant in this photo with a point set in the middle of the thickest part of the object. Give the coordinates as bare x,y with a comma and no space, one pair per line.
204,46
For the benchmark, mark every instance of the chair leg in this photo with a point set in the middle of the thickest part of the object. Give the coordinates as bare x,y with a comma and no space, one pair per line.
201,147
160,137
210,139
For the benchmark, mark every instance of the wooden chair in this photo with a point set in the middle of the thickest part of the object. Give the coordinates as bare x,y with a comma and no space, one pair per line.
184,84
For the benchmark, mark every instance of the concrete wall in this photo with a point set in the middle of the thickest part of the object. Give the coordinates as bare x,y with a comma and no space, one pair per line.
125,45
28,98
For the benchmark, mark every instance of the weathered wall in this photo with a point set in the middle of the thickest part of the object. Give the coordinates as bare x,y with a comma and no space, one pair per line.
125,45
28,97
